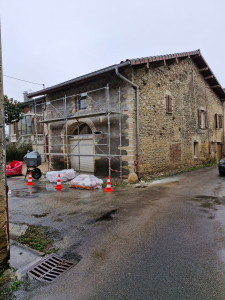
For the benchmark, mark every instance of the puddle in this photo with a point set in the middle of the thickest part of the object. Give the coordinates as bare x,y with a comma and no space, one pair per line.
140,186
58,220
206,197
71,214
209,205
107,216
40,216
222,255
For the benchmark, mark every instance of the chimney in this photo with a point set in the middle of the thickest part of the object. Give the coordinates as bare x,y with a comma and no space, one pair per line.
25,98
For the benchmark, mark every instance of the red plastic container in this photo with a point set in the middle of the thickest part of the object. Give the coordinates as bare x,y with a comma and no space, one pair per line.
14,168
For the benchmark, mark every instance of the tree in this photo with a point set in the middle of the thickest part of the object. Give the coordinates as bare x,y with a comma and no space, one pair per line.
13,111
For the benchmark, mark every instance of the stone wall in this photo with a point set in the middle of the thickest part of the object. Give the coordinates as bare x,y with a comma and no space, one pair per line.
96,103
4,245
167,139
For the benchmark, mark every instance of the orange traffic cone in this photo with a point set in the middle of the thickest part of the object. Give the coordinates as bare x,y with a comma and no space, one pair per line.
108,187
29,182
58,185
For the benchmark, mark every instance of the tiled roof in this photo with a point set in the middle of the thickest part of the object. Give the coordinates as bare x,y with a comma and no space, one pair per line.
197,58
137,61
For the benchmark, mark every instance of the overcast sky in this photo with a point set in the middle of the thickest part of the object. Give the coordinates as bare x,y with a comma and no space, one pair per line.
51,41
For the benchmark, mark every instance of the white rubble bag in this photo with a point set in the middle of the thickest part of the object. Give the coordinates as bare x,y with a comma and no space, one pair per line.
86,182
65,175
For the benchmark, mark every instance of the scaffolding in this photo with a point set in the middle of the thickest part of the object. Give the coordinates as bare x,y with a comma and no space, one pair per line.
77,107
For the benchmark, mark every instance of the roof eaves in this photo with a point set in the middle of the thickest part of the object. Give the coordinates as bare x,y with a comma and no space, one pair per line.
199,61
77,80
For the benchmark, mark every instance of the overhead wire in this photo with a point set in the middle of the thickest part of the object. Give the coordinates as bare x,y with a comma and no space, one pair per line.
24,80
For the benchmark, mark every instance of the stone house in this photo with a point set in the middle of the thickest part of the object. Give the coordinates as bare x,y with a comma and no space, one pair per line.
149,115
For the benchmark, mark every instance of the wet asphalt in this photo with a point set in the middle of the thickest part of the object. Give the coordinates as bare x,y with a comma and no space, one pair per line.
164,241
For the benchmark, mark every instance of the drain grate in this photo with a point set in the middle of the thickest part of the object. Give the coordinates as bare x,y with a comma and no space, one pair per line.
50,268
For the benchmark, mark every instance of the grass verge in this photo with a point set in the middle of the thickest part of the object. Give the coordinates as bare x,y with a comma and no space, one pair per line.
37,239
8,283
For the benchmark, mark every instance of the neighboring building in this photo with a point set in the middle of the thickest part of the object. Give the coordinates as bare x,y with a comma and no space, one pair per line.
149,115
4,241
28,130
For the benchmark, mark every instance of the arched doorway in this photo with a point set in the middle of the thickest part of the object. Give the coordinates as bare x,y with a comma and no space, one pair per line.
81,143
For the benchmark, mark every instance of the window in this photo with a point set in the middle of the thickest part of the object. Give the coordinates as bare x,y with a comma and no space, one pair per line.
26,109
82,129
83,101
195,149
28,123
212,147
218,121
169,107
202,119
12,128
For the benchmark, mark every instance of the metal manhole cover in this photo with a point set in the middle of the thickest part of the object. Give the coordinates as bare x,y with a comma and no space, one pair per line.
50,268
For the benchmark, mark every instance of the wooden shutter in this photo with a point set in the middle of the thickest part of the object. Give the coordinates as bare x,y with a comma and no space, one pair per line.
170,103
220,121
167,103
199,119
216,121
206,120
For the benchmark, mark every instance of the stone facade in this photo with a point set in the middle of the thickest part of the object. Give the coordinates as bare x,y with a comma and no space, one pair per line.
178,110
4,243
96,104
168,140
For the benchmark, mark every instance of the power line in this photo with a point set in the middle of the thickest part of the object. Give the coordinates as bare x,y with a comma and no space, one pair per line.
24,80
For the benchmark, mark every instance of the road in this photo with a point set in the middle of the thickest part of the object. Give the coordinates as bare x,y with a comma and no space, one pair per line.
166,241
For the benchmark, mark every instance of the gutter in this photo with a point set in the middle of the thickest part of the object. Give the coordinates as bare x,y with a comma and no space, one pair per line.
137,116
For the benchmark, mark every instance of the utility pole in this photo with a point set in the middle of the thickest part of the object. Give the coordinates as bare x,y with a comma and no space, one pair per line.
4,228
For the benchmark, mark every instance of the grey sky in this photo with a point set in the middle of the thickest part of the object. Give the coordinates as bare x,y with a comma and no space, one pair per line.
51,41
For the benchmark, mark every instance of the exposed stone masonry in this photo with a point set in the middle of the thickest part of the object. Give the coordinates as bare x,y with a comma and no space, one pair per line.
167,139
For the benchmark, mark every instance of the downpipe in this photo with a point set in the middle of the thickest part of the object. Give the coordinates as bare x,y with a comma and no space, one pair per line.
137,117
223,151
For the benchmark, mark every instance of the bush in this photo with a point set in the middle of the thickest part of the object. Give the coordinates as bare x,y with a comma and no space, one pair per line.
16,153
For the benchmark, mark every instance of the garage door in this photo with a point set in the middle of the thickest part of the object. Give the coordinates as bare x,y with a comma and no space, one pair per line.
85,146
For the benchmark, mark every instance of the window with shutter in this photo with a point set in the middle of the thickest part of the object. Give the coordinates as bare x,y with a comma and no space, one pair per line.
202,119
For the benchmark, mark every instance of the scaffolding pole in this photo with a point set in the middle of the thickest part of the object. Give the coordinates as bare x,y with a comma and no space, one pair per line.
66,115
108,116
78,130
67,144
43,128
35,124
